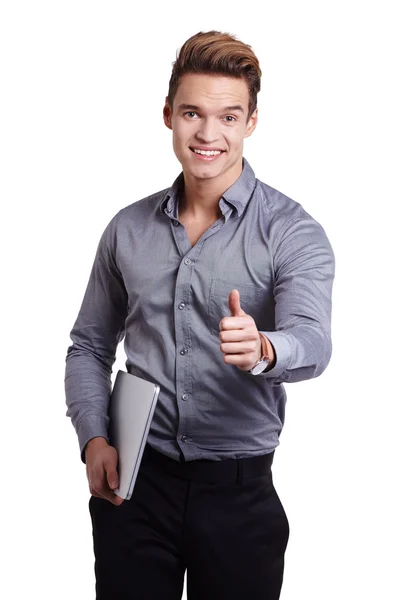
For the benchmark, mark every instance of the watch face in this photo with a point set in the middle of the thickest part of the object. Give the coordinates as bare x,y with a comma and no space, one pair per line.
260,367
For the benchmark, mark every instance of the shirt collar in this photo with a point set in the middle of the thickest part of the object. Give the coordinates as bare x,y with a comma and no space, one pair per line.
169,201
238,195
242,189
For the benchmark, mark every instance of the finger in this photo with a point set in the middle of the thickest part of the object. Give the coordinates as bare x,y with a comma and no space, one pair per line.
236,322
101,488
239,360
114,499
247,347
234,303
110,467
95,494
239,335
111,483
106,493
112,477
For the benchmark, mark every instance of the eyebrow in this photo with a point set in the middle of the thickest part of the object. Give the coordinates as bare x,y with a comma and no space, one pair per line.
237,108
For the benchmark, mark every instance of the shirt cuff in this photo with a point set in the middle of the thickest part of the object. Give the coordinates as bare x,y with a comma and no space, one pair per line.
283,352
90,427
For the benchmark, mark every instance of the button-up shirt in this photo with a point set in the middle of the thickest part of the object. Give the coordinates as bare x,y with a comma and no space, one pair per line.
166,298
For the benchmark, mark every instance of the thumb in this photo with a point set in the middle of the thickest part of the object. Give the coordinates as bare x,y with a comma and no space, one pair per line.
112,476
234,304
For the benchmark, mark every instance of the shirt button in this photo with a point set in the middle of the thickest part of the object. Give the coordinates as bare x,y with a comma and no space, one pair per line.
185,396
187,261
176,223
184,351
184,438
182,305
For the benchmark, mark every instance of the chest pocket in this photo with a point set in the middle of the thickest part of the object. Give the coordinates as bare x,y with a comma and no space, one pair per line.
253,300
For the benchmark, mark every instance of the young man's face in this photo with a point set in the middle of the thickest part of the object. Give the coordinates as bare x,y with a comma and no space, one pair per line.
209,113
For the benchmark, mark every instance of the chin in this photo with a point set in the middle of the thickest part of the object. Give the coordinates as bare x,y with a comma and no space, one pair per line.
204,171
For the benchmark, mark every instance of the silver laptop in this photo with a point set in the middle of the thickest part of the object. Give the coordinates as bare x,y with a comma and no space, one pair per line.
132,405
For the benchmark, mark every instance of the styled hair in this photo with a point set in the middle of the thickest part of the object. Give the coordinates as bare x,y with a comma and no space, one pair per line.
217,53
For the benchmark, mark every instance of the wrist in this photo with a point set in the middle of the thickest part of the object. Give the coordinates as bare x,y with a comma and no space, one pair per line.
96,443
267,350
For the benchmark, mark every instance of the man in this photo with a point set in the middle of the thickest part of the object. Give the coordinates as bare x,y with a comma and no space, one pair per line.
222,287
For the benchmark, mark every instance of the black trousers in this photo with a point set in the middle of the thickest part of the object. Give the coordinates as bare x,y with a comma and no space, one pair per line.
222,521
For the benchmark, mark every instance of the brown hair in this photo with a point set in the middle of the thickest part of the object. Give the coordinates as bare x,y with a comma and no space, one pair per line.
213,52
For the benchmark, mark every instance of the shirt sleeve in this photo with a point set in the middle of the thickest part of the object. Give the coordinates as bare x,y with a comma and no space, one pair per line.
304,267
97,331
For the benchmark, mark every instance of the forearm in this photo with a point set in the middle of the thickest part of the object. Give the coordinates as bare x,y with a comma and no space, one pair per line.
301,352
304,266
87,392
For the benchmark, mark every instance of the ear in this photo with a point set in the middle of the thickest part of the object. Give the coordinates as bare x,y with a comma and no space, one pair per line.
167,114
251,125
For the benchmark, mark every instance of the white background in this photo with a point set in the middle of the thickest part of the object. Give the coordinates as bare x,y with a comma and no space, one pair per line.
83,85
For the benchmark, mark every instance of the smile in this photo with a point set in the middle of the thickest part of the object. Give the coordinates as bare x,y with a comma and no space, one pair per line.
207,154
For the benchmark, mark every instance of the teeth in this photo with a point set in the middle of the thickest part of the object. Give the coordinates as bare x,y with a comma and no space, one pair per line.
207,152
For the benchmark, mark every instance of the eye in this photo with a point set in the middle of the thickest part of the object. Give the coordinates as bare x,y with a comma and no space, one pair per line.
230,117
190,112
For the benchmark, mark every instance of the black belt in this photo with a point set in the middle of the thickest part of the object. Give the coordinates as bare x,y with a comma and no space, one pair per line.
212,471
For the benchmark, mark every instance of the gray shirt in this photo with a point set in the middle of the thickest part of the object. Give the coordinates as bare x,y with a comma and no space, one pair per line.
149,285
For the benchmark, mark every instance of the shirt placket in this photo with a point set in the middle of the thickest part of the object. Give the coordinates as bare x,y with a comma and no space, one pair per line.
182,317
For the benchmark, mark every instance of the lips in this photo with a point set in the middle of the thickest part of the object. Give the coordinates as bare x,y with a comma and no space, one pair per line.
205,149
209,157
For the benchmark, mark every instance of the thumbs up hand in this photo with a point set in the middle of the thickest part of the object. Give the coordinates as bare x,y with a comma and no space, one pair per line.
240,338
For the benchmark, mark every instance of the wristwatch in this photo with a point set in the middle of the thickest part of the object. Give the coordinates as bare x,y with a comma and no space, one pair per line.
260,366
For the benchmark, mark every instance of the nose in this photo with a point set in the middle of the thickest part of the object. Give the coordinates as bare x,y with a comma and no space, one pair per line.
207,131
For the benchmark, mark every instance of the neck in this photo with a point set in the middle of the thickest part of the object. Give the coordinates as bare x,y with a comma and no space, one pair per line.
200,197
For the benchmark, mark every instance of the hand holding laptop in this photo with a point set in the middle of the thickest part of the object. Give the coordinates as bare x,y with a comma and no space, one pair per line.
101,469
132,404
